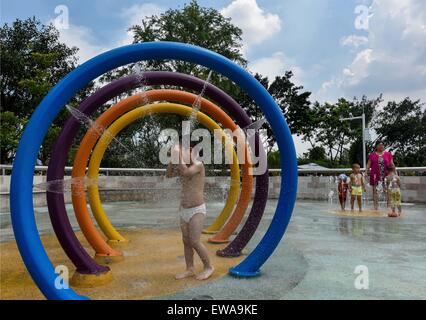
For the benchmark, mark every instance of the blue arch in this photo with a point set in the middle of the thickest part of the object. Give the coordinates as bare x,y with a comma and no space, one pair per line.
23,220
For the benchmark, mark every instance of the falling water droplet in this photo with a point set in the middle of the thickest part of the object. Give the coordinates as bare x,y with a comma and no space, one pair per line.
60,186
100,130
196,106
253,127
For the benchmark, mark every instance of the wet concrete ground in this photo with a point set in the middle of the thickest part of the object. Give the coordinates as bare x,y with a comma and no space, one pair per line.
316,259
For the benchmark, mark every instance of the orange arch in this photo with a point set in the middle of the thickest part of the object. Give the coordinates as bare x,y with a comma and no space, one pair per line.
87,226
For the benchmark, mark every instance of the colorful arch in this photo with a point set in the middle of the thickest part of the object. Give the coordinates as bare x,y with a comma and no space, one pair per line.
55,201
28,240
89,140
126,120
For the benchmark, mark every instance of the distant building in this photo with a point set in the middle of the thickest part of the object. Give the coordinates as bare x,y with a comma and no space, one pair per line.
311,166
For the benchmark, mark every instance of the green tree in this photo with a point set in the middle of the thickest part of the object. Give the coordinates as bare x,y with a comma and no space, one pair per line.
206,27
316,154
33,60
370,107
11,128
192,24
332,133
292,101
274,160
401,125
355,152
340,138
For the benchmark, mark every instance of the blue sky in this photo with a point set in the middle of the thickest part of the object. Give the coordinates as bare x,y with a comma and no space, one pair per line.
332,50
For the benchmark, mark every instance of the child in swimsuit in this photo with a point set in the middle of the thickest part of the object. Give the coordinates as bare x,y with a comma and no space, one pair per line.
342,189
356,186
393,184
192,210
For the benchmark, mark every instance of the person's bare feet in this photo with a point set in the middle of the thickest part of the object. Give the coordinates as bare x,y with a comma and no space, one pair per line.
188,273
205,274
393,215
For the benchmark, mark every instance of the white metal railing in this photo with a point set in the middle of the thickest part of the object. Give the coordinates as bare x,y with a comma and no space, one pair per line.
106,171
8,167
339,170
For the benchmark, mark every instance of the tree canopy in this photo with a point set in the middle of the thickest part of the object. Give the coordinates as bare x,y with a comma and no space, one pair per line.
208,28
402,127
33,60
193,24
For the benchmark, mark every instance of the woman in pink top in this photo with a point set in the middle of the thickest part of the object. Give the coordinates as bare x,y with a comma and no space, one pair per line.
377,165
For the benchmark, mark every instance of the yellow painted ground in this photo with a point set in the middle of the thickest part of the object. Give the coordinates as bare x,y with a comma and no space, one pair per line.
152,258
364,213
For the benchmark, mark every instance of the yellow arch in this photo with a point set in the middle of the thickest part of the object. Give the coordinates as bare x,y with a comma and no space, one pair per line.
127,119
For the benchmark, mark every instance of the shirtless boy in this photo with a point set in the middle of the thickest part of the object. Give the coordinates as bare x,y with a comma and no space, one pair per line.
192,210
356,186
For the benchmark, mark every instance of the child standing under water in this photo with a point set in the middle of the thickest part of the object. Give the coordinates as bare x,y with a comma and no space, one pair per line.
342,189
356,186
393,184
192,211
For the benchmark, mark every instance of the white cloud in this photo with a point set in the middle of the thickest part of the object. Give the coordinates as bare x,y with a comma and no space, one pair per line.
395,61
82,38
327,93
354,41
276,65
257,25
327,84
359,69
135,14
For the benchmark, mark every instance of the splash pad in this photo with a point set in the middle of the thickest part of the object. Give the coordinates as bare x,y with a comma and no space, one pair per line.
24,225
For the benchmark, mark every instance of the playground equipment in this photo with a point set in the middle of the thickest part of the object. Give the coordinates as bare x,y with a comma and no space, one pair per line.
110,115
28,240
127,119
163,95
63,144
